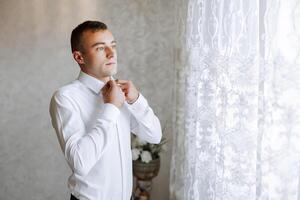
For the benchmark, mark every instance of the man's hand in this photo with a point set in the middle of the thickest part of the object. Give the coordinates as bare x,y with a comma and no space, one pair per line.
112,93
130,91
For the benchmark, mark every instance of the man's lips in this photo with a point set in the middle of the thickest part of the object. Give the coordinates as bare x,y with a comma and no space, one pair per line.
110,63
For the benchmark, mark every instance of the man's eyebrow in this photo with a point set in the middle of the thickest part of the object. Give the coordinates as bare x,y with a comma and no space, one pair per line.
97,43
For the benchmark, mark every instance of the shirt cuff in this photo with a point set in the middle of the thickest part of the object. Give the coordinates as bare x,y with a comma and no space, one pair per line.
110,112
140,104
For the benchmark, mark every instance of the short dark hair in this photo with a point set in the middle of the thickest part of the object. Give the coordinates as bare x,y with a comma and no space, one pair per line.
77,32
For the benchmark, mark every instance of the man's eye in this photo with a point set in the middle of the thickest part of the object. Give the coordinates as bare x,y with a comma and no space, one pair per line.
100,48
114,46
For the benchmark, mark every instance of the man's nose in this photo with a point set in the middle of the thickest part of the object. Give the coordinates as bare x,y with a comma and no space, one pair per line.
109,52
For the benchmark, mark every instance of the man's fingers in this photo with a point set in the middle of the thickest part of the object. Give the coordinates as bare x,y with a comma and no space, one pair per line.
109,84
124,86
122,81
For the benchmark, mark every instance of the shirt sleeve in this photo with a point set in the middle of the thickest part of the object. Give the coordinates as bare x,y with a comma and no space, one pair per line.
81,149
143,122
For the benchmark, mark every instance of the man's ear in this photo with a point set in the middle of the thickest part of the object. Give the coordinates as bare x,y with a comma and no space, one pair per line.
77,55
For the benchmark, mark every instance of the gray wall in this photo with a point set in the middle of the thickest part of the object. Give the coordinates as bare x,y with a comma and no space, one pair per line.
35,60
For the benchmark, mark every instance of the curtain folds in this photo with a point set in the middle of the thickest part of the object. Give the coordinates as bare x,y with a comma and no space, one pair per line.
236,115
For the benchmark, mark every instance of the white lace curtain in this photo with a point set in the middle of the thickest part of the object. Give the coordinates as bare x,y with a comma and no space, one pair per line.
237,106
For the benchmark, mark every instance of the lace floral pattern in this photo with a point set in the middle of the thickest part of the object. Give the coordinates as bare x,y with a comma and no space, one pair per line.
236,120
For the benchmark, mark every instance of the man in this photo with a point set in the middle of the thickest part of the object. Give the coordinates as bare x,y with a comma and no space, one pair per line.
94,115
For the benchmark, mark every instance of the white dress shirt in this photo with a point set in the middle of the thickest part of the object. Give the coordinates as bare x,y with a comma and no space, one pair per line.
95,138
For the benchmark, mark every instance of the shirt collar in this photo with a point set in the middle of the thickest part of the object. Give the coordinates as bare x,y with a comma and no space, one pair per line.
91,82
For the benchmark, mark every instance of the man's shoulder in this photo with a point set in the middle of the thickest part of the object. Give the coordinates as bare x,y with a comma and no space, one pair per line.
68,90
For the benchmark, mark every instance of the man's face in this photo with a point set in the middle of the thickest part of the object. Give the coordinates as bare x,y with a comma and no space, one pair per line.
99,54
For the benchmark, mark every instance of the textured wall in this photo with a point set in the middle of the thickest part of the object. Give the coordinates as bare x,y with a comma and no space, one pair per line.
35,60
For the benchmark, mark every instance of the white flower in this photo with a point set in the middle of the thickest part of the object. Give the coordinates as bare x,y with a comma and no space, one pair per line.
140,141
146,156
135,153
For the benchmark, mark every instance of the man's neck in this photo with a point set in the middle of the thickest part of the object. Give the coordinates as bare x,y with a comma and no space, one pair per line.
104,79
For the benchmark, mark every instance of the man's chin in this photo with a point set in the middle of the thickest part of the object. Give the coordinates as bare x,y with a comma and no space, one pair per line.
111,73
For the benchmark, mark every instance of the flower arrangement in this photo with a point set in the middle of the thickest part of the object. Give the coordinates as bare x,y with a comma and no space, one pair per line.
146,152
